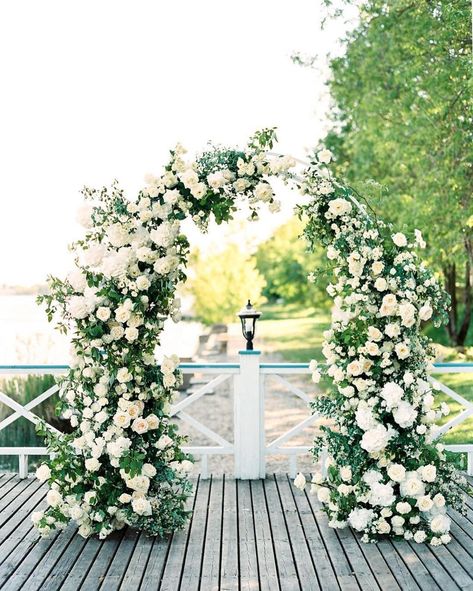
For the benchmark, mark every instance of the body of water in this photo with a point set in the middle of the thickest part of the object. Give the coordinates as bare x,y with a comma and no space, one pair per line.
26,337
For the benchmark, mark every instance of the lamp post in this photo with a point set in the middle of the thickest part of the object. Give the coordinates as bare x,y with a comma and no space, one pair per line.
248,317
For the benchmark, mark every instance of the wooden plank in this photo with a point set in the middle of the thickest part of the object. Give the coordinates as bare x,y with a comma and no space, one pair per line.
435,568
10,500
345,575
461,538
190,577
155,567
287,573
51,558
22,551
422,576
121,560
300,551
19,510
210,576
229,560
357,560
463,522
451,557
378,565
398,568
138,563
7,482
60,570
177,553
249,578
82,565
268,572
320,557
102,561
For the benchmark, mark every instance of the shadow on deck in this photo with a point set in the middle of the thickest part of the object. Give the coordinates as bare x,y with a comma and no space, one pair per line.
243,535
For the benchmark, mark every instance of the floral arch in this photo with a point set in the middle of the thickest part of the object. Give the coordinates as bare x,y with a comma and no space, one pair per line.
123,463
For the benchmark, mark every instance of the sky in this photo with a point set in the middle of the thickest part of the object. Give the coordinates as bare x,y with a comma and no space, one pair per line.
93,91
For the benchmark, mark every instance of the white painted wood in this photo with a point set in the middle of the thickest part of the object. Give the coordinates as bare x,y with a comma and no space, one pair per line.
247,417
296,429
206,431
177,408
297,391
292,466
22,411
204,466
38,400
23,466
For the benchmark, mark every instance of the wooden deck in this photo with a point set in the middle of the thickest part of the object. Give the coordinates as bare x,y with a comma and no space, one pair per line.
243,536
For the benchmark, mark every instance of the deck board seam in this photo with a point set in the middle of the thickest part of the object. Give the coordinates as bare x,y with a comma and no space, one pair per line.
276,562
205,534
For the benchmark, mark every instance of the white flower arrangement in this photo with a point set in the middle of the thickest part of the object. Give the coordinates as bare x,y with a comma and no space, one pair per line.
123,462
381,402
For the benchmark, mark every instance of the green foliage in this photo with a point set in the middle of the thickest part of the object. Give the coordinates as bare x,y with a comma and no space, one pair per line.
285,263
402,113
222,283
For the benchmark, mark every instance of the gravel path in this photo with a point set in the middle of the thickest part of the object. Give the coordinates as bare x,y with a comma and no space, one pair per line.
283,410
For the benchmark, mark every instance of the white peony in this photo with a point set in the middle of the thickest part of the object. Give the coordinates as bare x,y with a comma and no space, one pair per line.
77,307
393,330
375,439
381,495
92,464
425,312
364,416
84,215
392,393
359,519
412,486
407,312
405,414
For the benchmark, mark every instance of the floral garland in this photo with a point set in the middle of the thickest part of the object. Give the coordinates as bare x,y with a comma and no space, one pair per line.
386,475
123,463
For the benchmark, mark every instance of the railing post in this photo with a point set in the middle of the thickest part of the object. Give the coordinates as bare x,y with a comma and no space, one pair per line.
23,466
249,418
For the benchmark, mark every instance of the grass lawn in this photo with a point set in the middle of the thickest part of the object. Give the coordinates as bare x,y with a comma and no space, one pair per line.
296,334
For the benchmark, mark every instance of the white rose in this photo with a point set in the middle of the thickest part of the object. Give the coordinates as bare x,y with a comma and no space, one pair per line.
323,494
407,312
141,506
324,156
140,425
402,350
53,498
399,239
163,442
84,215
103,313
392,330
440,524
439,500
425,503
142,283
428,473
403,508
300,481
123,375
381,284
124,498
396,472
263,192
36,517
425,313
339,206
377,267
374,333
148,470
43,473
345,473
189,177
153,421
412,486
92,464
85,530
122,419
131,334
78,280
420,536
355,368
397,521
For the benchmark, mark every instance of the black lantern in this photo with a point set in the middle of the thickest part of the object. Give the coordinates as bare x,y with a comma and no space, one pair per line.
248,316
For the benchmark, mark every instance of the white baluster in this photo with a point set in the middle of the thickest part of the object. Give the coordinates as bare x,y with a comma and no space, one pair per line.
23,466
248,418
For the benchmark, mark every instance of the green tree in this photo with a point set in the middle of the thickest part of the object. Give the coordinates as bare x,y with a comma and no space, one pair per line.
221,284
285,264
402,115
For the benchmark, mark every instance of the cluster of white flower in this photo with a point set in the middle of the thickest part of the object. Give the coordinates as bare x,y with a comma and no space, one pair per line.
386,473
123,462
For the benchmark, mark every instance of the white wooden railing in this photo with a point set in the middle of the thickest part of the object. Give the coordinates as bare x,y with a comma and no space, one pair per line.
250,379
